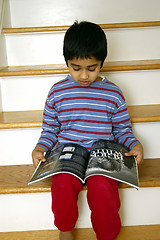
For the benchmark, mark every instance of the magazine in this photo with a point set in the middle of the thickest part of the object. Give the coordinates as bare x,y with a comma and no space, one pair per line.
106,158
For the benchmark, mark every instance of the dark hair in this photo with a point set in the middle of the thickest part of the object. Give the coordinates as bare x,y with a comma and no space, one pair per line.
85,40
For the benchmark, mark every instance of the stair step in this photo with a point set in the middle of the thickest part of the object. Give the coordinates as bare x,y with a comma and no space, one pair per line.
62,69
148,232
64,28
14,178
32,119
21,119
144,113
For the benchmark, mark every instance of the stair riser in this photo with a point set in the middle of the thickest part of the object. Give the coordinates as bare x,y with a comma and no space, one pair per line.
18,210
29,92
139,87
66,12
46,48
1,107
148,134
16,141
17,145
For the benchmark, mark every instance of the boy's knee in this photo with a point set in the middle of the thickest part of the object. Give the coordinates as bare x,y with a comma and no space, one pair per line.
102,190
99,187
65,181
66,221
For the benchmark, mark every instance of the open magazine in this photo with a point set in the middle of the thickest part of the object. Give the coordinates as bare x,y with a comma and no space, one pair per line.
105,158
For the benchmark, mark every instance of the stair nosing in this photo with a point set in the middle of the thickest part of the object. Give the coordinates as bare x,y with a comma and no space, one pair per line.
50,69
64,28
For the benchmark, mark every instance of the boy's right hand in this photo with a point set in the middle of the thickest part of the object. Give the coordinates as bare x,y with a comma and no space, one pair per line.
38,155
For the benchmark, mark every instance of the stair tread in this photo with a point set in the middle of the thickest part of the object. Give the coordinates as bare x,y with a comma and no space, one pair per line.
144,113
64,28
14,178
147,232
29,119
62,69
21,119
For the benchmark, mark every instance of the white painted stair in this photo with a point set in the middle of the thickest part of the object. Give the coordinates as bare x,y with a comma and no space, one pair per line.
31,61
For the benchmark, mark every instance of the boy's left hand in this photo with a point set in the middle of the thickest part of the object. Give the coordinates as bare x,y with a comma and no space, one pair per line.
136,151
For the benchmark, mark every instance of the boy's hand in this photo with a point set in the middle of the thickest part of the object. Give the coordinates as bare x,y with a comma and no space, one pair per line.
136,151
38,155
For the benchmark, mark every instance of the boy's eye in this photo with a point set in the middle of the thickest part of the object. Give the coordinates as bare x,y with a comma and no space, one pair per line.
91,69
76,69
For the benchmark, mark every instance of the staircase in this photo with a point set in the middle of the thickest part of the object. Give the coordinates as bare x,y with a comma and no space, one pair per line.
31,61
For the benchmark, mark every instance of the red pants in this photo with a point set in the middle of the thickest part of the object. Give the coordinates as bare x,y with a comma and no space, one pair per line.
103,200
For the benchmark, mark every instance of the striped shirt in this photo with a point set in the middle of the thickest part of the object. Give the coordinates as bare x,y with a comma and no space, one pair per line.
83,115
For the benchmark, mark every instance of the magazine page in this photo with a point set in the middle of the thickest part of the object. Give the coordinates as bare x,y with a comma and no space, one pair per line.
69,158
46,169
107,158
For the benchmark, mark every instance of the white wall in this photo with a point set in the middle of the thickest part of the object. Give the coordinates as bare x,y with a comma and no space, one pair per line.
3,57
4,20
1,7
62,12
6,14
1,11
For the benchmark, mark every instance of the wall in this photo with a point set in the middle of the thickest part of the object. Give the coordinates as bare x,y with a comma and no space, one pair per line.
3,58
4,22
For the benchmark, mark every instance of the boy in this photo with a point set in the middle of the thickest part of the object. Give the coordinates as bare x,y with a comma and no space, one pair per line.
81,109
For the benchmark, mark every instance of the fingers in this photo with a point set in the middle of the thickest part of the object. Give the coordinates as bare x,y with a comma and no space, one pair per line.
37,160
37,156
129,153
137,152
139,159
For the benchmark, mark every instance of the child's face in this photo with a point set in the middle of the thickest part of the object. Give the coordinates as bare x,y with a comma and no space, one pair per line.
84,70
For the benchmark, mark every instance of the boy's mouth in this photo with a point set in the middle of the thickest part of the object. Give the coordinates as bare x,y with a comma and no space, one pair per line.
84,83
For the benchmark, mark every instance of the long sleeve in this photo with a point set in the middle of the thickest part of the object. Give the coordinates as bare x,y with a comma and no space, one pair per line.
122,129
50,126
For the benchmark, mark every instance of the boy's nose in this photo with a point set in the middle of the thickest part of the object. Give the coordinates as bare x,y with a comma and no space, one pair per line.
84,75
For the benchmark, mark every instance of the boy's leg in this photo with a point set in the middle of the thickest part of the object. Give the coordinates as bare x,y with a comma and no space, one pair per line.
104,202
65,189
